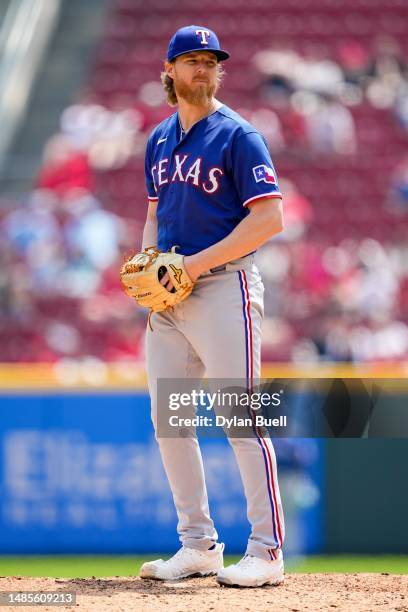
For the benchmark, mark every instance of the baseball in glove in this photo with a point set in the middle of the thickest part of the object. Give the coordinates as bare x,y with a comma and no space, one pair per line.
141,275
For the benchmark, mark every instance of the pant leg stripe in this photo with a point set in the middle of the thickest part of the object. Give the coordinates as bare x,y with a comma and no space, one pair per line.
279,540
262,442
245,324
250,342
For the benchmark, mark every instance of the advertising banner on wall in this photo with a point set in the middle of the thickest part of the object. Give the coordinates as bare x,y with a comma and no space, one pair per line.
81,472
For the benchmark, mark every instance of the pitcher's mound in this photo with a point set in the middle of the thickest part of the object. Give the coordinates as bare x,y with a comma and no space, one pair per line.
335,592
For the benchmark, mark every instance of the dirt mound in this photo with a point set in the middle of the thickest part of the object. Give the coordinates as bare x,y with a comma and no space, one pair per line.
354,592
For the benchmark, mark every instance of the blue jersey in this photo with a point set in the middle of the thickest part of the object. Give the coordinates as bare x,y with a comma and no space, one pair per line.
203,180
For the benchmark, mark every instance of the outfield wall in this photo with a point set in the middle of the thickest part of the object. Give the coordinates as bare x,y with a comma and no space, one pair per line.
80,472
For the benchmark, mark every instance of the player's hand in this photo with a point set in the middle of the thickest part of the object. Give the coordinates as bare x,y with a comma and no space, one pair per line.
166,282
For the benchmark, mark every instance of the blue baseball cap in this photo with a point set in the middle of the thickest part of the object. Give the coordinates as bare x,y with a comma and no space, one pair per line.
195,38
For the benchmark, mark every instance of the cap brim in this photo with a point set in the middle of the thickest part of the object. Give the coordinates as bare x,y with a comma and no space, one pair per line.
221,55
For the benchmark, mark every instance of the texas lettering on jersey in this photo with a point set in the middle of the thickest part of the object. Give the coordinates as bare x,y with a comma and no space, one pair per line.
187,171
205,178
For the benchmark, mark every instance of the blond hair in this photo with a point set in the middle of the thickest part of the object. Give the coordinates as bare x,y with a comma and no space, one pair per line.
168,84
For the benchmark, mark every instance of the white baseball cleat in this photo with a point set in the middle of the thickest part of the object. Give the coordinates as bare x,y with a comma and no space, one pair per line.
186,562
252,572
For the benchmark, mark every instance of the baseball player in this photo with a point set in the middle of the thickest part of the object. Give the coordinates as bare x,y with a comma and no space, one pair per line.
212,190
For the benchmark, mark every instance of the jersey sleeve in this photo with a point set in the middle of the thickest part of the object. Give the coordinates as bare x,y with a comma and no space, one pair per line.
252,169
150,186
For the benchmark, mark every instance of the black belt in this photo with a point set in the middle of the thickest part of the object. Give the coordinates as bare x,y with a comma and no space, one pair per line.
219,268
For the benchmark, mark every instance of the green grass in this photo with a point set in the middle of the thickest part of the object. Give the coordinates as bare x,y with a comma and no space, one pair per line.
87,566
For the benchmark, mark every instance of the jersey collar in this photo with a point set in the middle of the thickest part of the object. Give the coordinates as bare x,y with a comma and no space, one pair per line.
182,133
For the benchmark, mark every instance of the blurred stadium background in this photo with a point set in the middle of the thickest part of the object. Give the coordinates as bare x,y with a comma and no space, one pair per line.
326,82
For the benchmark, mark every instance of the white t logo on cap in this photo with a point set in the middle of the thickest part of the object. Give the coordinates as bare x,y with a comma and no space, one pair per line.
204,34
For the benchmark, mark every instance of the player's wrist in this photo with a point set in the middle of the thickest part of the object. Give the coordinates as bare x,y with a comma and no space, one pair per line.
194,266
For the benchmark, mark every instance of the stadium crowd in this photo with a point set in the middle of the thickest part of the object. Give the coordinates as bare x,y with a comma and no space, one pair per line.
62,244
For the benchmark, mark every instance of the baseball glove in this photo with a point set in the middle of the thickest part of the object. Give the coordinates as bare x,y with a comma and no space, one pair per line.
141,275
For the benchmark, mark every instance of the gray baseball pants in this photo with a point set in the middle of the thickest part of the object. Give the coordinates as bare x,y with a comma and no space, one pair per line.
216,332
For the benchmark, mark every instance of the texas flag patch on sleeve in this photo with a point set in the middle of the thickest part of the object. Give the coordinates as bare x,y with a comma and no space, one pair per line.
264,173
